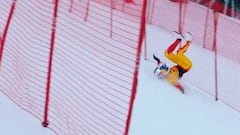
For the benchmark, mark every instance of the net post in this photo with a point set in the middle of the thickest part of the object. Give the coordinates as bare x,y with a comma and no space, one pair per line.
182,11
87,11
215,53
111,17
205,25
4,36
138,55
71,5
180,17
45,122
145,45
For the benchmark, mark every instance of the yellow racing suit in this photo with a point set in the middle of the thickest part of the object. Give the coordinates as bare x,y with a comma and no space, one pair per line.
183,63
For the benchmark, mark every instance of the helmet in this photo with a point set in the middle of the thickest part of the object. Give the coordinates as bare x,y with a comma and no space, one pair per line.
161,70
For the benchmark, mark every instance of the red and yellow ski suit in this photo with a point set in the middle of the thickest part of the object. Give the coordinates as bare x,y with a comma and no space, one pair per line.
183,63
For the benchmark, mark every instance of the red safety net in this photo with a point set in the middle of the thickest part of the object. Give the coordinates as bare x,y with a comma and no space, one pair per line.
214,28
73,64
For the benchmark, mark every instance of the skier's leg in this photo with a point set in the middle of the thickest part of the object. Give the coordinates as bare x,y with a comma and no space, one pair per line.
180,87
184,61
173,79
172,47
169,51
179,58
184,48
188,37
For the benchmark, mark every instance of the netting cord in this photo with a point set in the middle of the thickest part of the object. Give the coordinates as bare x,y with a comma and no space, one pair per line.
215,54
45,122
136,71
3,37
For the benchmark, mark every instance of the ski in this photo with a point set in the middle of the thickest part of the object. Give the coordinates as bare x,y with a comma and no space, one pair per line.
179,87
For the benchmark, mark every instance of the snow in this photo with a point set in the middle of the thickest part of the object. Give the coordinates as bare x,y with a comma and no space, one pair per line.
159,108
16,121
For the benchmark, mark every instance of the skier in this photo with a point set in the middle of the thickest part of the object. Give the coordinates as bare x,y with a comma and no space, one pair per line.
183,63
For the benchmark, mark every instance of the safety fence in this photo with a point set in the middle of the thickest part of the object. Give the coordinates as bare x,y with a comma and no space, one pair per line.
216,66
73,64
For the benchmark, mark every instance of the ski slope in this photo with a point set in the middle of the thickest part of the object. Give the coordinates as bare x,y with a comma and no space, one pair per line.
159,109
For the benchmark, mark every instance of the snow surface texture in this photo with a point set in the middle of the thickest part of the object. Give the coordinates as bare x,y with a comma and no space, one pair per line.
159,109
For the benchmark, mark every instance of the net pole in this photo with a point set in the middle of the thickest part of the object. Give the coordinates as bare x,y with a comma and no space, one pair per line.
145,46
151,7
45,122
0,40
71,5
180,17
3,38
138,55
182,14
87,11
215,54
149,13
111,17
206,28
